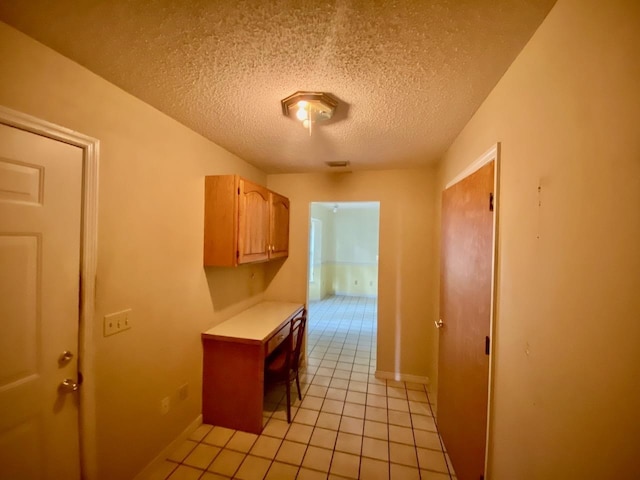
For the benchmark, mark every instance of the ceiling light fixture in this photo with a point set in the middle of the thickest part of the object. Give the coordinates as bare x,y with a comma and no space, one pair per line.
309,107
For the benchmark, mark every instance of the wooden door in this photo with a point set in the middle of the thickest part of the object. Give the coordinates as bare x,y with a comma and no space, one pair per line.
40,208
279,231
253,225
465,310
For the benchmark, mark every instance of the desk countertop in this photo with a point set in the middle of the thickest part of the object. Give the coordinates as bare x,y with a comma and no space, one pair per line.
254,325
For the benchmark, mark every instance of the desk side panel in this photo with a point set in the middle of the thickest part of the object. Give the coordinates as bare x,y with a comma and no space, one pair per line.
233,385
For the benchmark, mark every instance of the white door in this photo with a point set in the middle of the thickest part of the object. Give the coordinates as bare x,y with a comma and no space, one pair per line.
40,208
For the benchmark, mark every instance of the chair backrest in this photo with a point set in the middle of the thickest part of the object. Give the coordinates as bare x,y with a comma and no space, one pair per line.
296,336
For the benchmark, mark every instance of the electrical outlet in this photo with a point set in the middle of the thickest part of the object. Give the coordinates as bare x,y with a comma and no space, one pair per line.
117,322
165,403
183,391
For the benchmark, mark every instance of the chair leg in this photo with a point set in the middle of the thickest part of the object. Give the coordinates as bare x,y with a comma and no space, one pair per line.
298,385
288,402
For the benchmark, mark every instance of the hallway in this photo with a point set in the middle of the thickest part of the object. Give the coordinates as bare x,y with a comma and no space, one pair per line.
348,425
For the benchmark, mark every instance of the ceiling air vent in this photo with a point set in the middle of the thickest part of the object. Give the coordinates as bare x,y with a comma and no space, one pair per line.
337,164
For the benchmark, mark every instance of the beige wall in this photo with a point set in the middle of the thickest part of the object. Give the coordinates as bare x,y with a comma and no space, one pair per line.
149,248
567,344
405,290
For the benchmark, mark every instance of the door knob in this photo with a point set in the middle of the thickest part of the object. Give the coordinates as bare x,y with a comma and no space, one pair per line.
68,386
65,357
439,323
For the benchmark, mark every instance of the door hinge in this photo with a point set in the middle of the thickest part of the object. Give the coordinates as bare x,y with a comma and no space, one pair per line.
491,202
487,345
238,190
237,253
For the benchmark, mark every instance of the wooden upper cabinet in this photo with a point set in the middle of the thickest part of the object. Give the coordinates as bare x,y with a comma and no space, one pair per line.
244,222
279,228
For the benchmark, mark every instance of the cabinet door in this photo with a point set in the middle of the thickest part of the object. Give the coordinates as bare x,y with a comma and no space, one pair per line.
253,225
279,233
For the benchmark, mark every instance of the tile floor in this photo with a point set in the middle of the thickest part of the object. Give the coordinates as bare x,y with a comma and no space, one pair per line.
349,424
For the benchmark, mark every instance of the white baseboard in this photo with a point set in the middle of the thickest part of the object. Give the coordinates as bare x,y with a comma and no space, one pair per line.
402,377
162,456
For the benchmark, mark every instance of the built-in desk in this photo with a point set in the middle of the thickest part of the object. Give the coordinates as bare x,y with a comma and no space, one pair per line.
233,364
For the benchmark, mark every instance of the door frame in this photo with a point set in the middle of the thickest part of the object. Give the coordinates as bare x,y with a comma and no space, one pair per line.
88,263
492,154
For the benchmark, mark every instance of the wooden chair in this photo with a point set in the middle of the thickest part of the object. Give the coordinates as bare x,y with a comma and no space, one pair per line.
282,366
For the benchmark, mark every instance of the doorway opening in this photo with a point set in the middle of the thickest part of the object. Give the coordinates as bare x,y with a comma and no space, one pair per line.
343,268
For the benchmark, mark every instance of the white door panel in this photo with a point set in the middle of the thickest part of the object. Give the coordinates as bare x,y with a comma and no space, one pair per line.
40,208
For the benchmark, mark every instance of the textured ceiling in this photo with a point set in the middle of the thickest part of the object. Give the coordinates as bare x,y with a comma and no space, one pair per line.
408,74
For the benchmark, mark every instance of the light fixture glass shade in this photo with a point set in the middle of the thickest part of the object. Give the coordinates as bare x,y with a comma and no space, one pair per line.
309,107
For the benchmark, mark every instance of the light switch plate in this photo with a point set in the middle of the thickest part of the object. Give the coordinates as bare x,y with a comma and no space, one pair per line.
117,322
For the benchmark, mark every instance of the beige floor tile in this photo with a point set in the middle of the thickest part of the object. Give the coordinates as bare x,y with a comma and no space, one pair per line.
349,443
202,456
328,363
417,396
353,410
333,406
376,401
419,408
341,373
317,391
242,441
402,419
265,446
401,435
276,428
351,425
362,369
356,397
376,430
218,436
359,377
396,383
398,404
376,381
327,372
403,472
312,403
162,470
426,439
227,462
181,452
306,417
281,412
307,474
345,464
377,389
321,381
403,454
346,366
200,432
281,471
428,475
330,421
422,422
323,437
336,394
395,392
212,476
185,473
291,452
339,383
415,386
376,414
375,448
432,460
299,433
357,386
371,469
253,468
317,458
